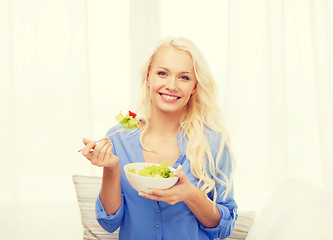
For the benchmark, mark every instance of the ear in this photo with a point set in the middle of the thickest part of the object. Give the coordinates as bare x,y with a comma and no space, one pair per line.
147,81
194,91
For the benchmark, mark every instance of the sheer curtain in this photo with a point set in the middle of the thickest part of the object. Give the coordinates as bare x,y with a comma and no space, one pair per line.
279,95
64,72
66,68
44,89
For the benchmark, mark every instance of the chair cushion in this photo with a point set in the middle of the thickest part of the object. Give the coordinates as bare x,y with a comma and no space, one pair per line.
87,189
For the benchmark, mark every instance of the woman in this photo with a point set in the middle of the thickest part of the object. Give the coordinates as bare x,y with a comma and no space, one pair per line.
180,124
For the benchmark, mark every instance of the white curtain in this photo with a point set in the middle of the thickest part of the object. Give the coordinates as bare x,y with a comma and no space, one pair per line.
279,93
64,70
67,67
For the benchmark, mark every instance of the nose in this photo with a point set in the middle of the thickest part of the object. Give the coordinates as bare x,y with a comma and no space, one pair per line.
171,84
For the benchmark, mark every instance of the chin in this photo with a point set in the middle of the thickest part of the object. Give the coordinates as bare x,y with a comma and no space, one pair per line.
170,110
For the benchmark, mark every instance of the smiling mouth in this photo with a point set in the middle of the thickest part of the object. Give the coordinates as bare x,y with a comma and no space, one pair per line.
169,97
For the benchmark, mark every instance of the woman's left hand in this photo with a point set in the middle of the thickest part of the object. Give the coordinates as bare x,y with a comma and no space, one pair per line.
182,191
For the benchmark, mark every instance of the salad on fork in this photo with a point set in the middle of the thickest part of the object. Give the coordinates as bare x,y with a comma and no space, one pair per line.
128,121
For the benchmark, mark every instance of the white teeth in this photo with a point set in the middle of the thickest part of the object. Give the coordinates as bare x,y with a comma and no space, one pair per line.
169,97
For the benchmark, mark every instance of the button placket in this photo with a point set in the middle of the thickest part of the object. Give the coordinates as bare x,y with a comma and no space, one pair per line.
158,217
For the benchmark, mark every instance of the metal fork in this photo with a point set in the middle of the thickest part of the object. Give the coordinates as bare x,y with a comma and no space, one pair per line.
109,135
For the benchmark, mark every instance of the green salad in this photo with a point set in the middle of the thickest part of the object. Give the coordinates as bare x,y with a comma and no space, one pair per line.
129,121
161,171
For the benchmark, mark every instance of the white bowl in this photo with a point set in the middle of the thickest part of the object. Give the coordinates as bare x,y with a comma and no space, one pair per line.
143,183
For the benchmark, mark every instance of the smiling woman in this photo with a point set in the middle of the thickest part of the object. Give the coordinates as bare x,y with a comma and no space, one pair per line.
180,124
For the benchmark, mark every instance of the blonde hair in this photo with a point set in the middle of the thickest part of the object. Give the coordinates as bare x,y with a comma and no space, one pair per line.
201,111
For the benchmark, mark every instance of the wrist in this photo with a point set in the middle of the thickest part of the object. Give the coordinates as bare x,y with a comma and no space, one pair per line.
113,163
111,170
193,194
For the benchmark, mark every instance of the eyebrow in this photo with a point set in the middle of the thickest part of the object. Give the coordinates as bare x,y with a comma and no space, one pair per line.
180,72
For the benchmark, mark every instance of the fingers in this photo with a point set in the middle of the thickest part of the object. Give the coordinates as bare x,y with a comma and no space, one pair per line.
160,195
179,192
86,141
180,174
100,152
181,177
86,151
158,192
105,153
97,153
150,195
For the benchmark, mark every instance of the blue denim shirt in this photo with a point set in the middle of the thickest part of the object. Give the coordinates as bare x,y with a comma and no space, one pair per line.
140,218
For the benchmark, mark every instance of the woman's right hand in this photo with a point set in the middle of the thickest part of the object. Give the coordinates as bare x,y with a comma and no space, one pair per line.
100,154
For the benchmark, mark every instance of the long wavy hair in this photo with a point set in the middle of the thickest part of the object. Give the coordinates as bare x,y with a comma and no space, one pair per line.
201,111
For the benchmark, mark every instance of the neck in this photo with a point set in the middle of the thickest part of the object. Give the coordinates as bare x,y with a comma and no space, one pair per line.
164,123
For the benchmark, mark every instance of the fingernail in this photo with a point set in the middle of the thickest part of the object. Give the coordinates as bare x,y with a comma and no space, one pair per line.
140,194
149,191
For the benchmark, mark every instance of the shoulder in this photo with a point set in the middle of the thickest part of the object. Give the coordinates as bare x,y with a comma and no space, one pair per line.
217,142
220,149
114,129
212,136
121,133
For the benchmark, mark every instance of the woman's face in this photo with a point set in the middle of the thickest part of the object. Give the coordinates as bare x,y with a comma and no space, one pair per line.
171,80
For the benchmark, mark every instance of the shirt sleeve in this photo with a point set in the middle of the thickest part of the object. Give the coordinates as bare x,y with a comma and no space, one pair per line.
110,223
227,222
228,206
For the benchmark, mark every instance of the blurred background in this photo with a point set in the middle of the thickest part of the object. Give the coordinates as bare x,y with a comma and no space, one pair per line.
68,67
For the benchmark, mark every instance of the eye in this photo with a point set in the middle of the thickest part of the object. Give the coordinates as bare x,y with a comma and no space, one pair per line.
185,77
162,73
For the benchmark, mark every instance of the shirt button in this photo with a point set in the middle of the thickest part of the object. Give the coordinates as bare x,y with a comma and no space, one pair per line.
157,211
157,225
